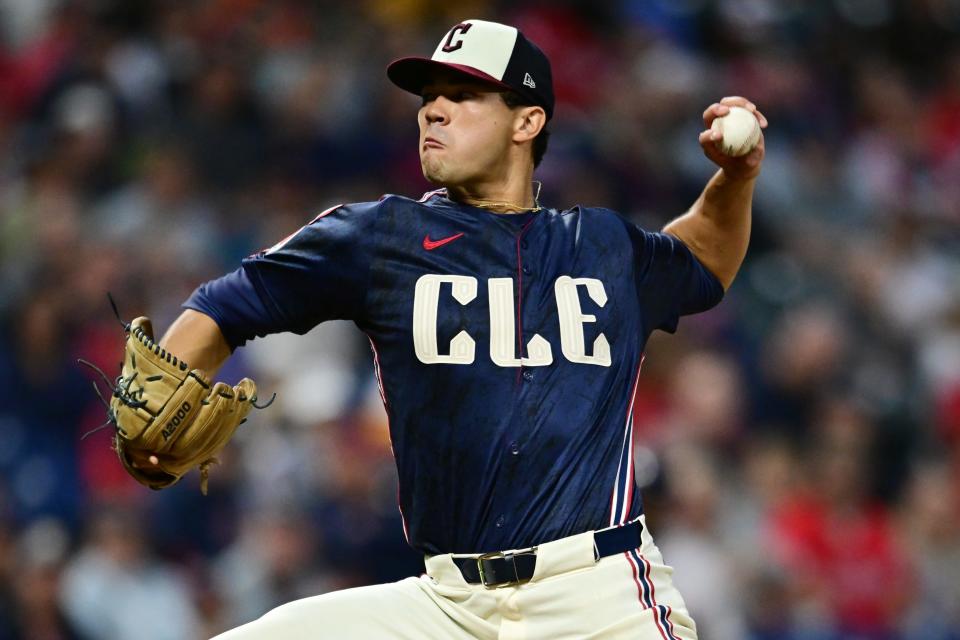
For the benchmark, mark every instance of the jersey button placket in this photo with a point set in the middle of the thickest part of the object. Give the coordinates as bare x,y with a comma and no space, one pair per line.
523,244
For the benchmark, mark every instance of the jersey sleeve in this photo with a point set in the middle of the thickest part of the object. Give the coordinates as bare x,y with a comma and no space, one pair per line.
671,281
319,273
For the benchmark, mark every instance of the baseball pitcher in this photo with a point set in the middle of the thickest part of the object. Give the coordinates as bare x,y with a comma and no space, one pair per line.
507,339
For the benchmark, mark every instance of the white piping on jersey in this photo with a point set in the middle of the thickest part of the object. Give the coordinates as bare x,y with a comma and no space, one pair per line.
628,480
430,194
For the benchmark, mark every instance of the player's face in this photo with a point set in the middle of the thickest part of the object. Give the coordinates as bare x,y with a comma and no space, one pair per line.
465,133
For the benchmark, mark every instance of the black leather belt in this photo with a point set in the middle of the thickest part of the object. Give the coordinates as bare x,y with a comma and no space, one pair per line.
502,568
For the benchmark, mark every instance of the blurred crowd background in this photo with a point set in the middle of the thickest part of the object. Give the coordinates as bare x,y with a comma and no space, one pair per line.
799,445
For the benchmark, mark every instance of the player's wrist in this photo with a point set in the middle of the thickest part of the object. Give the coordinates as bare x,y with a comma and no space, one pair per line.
737,177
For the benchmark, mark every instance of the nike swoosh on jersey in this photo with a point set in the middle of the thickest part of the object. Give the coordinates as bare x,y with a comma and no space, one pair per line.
430,245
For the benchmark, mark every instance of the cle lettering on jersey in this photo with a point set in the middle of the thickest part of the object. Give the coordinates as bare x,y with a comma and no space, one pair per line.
462,349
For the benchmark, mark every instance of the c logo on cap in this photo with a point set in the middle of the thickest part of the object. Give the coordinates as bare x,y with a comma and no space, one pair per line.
463,27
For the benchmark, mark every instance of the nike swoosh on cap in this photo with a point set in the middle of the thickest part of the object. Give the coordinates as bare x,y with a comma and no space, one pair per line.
430,245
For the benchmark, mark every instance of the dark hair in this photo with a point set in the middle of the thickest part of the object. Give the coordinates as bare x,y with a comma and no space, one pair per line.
513,99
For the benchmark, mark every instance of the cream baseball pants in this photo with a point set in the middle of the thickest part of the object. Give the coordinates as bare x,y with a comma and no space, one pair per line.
571,595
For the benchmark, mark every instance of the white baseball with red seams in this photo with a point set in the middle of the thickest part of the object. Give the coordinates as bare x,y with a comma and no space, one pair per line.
740,130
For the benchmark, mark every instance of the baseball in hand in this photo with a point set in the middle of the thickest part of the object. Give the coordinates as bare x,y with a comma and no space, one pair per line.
740,130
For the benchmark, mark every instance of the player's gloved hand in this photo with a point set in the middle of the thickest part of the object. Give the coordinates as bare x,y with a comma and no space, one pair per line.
169,418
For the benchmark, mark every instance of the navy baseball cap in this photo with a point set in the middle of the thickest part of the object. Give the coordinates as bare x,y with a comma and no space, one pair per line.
488,51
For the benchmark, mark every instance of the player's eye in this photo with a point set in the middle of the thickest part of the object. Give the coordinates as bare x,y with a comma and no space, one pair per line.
453,96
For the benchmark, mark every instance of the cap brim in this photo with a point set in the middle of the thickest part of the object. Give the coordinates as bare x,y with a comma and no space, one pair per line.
413,74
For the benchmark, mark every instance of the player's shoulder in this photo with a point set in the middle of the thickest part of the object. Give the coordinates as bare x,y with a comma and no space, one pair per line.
345,220
357,211
390,201
363,215
357,215
392,204
599,218
595,214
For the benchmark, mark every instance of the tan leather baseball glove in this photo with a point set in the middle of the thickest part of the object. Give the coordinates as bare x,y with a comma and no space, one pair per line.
169,418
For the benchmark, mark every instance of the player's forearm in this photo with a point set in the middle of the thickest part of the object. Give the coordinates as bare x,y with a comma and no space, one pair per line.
197,340
717,226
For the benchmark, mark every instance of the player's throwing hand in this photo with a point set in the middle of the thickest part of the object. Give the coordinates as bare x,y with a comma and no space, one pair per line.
743,167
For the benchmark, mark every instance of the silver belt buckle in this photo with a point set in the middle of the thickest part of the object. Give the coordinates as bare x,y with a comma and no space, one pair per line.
506,555
483,577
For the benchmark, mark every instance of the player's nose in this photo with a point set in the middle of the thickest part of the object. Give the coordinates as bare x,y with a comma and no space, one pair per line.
436,111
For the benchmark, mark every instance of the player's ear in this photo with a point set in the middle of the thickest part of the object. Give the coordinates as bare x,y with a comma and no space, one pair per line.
528,123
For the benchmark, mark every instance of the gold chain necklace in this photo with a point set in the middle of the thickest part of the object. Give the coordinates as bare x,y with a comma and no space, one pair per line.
515,208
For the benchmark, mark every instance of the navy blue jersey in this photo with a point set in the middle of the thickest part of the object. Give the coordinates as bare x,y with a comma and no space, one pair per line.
507,348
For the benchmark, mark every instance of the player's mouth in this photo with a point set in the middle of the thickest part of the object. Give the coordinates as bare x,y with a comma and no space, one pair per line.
431,143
